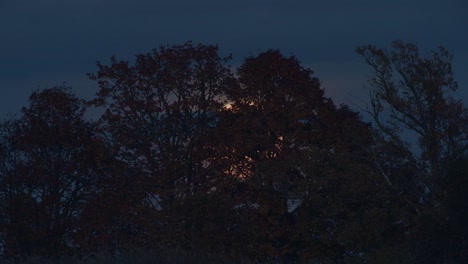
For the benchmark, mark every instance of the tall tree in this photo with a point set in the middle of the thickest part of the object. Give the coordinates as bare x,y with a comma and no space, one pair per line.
160,114
160,109
409,91
299,157
47,173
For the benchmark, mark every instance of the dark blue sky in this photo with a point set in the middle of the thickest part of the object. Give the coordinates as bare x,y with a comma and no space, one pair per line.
44,43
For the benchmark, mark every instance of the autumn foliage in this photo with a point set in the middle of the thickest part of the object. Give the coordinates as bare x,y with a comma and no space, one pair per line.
253,163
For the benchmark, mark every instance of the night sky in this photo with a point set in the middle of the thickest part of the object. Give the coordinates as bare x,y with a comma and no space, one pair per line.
45,43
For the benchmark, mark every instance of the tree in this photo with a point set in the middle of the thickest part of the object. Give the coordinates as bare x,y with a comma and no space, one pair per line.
160,109
303,161
160,114
412,92
47,174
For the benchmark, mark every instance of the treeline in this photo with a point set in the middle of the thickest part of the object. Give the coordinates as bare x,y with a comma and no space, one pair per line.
252,163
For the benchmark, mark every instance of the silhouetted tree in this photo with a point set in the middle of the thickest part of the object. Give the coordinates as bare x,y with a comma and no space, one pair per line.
160,112
412,92
409,91
303,163
47,174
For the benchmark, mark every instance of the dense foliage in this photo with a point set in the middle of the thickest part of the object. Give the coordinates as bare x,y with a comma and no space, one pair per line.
254,164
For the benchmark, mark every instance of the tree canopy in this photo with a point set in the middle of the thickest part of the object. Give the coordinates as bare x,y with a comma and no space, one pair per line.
252,163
